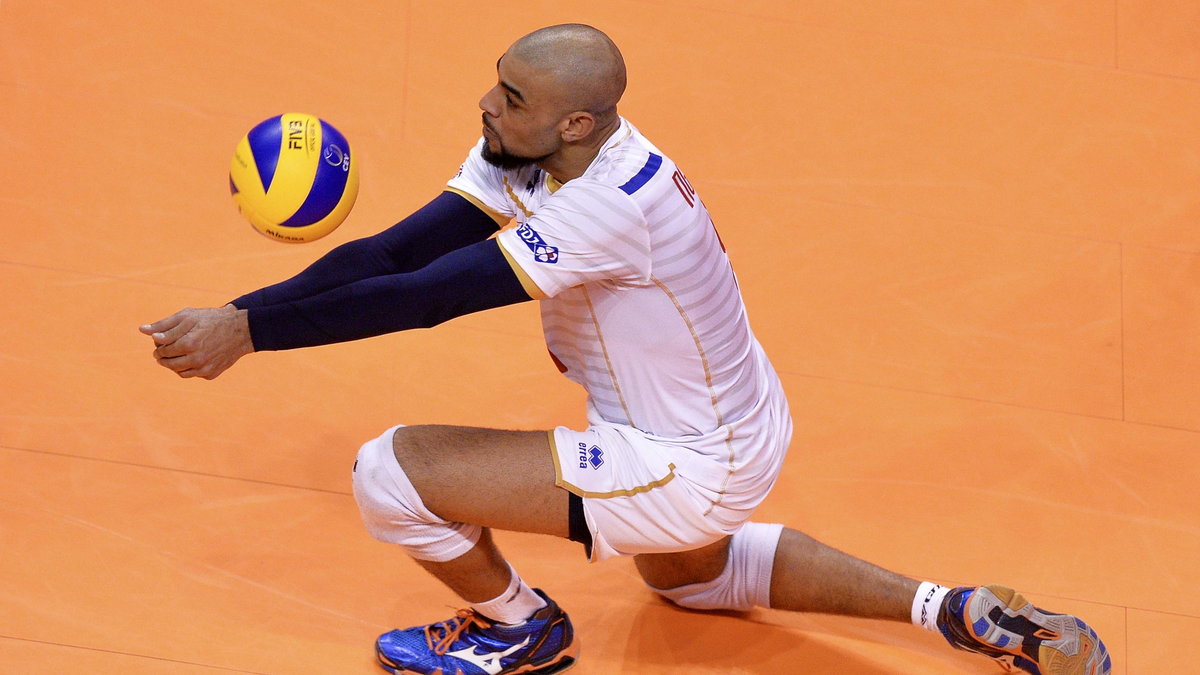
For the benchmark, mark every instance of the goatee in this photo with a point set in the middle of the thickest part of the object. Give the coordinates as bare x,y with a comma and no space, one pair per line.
508,161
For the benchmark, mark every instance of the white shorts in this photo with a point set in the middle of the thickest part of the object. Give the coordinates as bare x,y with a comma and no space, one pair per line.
647,494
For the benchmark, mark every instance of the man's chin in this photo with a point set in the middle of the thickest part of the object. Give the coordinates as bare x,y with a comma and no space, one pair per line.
506,161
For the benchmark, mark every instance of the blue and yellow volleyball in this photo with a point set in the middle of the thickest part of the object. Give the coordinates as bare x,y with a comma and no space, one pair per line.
294,178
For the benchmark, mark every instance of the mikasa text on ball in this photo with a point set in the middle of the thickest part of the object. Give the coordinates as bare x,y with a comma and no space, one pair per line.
294,178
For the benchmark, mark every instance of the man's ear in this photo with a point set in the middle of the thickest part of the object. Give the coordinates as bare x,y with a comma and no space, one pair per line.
577,126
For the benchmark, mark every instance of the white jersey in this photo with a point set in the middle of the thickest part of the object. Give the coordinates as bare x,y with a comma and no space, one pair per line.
639,302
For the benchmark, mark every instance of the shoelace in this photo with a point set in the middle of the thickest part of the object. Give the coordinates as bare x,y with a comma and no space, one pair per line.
450,630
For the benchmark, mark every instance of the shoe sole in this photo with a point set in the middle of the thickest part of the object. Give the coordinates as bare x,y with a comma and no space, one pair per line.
564,660
1068,646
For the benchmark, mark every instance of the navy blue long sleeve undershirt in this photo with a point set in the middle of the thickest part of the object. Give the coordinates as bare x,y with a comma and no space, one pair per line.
447,223
429,268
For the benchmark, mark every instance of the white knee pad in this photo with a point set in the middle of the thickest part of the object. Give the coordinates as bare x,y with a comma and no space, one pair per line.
393,511
746,580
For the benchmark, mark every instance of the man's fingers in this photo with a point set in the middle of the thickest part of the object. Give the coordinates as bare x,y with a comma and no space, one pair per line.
205,373
170,335
165,331
187,365
200,342
172,349
178,362
162,324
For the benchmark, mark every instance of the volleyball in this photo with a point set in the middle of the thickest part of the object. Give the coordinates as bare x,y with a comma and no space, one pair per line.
294,178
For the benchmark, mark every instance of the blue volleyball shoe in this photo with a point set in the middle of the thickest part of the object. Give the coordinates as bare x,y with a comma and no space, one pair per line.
470,644
1000,623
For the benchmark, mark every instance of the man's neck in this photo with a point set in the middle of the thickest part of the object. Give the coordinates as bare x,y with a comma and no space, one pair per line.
574,159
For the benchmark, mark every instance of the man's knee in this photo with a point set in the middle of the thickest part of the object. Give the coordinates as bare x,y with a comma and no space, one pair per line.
409,441
393,512
744,583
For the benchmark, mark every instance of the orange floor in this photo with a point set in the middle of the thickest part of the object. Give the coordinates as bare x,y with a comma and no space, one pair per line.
968,235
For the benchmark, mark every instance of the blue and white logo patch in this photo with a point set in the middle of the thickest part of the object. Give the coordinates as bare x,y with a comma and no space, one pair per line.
593,456
542,252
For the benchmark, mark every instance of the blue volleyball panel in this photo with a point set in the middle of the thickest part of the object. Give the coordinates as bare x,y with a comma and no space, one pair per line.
265,140
328,184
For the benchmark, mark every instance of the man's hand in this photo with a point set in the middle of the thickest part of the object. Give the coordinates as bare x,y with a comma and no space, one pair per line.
201,342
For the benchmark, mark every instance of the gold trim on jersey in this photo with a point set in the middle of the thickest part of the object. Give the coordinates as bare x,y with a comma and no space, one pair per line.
552,183
587,297
711,391
527,282
500,218
626,492
516,200
624,137
558,479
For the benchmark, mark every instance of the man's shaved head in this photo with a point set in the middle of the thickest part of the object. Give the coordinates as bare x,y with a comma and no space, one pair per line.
554,102
582,61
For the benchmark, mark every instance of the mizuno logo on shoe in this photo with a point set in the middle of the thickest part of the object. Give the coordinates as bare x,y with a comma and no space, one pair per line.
490,662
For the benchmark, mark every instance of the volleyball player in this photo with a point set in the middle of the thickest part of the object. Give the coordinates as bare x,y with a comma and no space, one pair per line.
688,424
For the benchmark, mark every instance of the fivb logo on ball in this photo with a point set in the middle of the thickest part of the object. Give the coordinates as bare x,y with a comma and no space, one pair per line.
293,177
297,137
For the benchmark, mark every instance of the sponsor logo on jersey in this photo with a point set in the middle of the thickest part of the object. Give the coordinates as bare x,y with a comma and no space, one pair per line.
542,252
592,456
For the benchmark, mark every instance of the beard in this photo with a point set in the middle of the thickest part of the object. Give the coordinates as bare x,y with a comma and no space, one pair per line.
508,161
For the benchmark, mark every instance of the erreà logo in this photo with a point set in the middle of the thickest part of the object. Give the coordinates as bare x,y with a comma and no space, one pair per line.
542,252
593,456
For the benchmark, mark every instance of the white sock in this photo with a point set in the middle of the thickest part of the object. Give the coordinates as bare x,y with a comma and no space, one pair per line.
517,603
926,604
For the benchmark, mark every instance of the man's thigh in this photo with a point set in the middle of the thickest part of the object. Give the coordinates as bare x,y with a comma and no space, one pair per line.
487,477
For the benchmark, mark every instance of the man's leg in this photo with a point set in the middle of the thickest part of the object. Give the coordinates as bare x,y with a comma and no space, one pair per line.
763,565
436,492
804,576
486,477
808,576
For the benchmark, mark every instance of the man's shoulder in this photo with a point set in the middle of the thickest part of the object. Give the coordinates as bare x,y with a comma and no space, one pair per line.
628,162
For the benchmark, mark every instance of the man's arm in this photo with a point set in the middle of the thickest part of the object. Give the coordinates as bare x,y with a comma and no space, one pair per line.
466,280
447,223
206,342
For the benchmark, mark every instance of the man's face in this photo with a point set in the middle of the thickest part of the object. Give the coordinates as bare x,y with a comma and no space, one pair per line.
520,116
